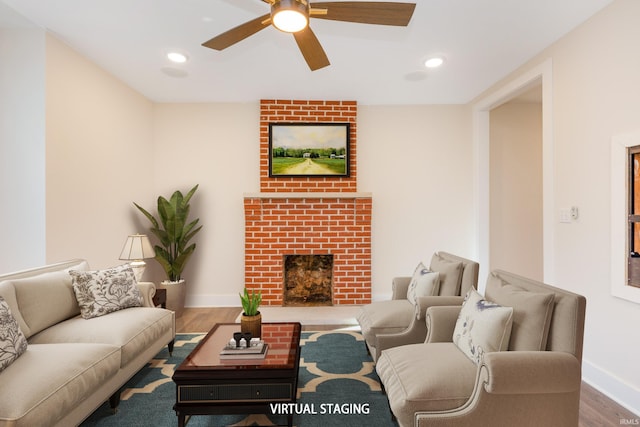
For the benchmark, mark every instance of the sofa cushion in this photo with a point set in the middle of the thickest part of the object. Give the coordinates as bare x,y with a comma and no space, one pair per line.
385,317
425,377
12,341
450,274
424,283
531,313
48,381
132,330
101,292
482,327
45,300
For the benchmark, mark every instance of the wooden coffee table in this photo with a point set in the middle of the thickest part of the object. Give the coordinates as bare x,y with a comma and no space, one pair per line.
207,385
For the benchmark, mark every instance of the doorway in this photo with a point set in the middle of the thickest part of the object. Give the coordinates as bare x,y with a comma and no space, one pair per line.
515,176
538,76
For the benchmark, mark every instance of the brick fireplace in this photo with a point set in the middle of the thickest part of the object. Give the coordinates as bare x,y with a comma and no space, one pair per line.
308,215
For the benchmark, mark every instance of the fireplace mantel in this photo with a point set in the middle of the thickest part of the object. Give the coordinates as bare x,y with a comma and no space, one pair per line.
308,195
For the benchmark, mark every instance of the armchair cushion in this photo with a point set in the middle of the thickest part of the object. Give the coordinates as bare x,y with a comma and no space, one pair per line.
450,274
384,317
424,282
531,313
482,327
425,377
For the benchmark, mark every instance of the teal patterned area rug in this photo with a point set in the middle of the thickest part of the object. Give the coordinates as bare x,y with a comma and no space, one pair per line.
337,386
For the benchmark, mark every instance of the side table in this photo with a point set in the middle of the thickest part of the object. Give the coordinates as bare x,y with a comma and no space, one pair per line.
160,298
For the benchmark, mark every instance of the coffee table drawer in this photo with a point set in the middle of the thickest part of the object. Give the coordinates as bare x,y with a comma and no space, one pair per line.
234,392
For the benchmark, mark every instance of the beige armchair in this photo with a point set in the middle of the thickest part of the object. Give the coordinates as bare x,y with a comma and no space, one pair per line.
387,324
536,382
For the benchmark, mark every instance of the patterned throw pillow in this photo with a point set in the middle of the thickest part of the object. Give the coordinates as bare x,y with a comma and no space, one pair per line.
12,341
482,327
424,282
104,291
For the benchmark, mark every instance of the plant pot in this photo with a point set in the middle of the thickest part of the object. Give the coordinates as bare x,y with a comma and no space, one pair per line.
252,324
176,294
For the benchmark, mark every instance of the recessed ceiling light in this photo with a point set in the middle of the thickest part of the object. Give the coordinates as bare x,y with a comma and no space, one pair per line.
177,57
434,62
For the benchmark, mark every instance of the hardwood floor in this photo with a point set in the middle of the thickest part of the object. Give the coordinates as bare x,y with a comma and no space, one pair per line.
596,410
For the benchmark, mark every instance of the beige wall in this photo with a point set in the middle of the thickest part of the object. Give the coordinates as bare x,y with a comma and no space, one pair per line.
417,162
99,141
215,146
595,97
516,189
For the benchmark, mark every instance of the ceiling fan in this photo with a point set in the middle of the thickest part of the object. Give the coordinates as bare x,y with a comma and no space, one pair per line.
292,16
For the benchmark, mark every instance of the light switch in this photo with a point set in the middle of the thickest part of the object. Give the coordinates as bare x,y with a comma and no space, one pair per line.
565,215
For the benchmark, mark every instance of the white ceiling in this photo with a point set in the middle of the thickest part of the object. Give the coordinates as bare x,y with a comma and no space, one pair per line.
482,40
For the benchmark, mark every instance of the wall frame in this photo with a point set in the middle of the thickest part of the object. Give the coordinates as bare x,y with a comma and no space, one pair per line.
309,149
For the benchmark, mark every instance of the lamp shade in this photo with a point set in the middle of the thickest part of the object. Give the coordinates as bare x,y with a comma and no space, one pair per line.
137,247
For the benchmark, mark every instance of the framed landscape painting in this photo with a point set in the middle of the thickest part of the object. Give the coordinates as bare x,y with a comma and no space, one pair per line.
309,149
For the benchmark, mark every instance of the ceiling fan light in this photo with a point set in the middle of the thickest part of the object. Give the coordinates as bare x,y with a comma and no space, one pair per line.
290,16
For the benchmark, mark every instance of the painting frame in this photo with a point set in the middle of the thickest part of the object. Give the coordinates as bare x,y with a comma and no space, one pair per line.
309,149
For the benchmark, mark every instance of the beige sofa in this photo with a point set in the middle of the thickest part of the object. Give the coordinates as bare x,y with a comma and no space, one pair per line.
387,324
535,383
72,365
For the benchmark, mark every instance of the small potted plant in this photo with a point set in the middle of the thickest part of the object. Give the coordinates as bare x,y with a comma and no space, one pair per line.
251,319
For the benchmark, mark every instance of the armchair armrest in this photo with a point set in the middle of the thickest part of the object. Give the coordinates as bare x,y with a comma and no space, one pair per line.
544,385
399,287
418,328
531,372
147,290
425,302
441,321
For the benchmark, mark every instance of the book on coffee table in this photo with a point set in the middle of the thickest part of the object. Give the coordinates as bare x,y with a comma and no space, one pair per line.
258,351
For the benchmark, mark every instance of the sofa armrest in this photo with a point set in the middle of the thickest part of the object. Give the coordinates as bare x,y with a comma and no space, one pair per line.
441,322
147,290
531,372
399,287
425,302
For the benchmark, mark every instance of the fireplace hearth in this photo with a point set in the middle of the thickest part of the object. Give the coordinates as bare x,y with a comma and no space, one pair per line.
308,280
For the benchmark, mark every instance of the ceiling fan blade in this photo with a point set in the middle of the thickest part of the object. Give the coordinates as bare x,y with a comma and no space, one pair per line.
238,33
366,12
311,49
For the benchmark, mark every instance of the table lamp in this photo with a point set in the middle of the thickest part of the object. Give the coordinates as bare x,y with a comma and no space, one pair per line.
136,249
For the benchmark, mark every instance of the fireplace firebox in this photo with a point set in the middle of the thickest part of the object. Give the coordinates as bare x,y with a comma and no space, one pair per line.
308,280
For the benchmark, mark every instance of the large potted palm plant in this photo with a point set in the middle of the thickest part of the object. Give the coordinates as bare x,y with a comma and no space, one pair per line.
174,231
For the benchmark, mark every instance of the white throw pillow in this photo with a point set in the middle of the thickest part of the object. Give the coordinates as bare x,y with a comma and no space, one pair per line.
482,327
104,291
424,282
12,341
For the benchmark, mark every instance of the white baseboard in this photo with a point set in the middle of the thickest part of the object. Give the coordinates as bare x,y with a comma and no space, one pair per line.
611,386
233,300
208,300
